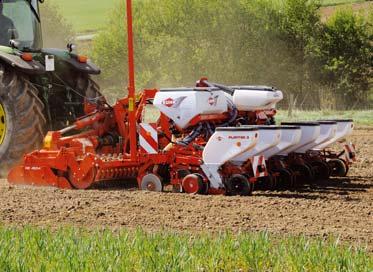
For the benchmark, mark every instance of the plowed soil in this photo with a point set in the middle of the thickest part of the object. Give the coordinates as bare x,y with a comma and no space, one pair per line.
341,207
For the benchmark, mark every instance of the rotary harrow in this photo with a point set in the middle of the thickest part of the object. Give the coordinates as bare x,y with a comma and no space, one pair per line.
207,139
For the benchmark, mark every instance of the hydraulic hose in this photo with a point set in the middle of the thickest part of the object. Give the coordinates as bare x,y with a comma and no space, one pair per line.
233,113
192,136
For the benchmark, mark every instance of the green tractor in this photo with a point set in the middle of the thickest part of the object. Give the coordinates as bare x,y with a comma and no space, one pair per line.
40,89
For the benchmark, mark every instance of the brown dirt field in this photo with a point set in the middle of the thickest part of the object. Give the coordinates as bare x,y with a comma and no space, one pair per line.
340,207
361,8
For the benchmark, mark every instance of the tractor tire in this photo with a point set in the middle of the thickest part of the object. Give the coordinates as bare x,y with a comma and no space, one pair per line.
22,120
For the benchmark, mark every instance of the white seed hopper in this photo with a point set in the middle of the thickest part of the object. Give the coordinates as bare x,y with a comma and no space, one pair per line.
290,136
183,104
310,132
251,98
327,132
344,129
269,136
223,146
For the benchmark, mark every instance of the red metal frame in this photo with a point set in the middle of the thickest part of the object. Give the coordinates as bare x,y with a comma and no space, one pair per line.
131,87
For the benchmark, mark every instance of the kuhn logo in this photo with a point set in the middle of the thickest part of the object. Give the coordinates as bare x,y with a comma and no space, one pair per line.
213,100
171,103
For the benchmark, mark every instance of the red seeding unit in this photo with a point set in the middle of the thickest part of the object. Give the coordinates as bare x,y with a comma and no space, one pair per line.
207,139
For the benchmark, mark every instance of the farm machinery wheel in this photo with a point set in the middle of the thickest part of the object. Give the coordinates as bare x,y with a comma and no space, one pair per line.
338,168
84,183
271,182
22,122
193,184
286,178
152,183
321,169
303,173
239,185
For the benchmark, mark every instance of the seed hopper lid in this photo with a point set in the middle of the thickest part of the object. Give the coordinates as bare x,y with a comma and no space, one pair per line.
237,129
301,123
338,120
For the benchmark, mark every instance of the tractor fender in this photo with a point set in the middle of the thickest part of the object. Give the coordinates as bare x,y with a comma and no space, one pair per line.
72,60
28,67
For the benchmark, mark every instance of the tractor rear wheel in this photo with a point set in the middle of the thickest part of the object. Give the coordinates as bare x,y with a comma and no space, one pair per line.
22,122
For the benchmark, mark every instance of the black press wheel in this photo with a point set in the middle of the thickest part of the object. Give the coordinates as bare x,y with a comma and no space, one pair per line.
239,185
338,168
286,179
303,173
321,169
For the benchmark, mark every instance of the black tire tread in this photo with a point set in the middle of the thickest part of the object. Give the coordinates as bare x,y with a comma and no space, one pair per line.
29,126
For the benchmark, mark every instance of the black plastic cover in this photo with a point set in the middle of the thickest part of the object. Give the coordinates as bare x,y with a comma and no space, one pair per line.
27,67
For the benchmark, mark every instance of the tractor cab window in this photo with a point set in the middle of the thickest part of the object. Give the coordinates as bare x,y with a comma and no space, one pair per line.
19,21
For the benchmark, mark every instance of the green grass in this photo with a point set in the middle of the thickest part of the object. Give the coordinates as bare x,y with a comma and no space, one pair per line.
362,117
86,15
80,250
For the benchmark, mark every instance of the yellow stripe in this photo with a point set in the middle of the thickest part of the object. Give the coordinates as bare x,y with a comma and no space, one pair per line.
2,124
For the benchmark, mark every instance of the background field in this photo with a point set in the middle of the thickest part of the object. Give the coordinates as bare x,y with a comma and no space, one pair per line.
90,16
360,117
86,15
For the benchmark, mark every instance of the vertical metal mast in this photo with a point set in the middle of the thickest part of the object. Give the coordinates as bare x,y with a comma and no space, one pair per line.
131,86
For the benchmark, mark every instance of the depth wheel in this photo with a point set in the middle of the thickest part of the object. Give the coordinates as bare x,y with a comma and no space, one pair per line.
22,121
303,173
338,168
285,179
239,185
271,182
193,184
321,169
152,183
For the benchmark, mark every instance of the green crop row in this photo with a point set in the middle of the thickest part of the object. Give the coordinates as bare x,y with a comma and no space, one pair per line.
71,249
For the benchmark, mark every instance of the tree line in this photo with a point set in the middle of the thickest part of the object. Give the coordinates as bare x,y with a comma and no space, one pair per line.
283,43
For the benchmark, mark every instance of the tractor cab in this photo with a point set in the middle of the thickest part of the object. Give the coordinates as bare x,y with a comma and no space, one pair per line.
20,24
